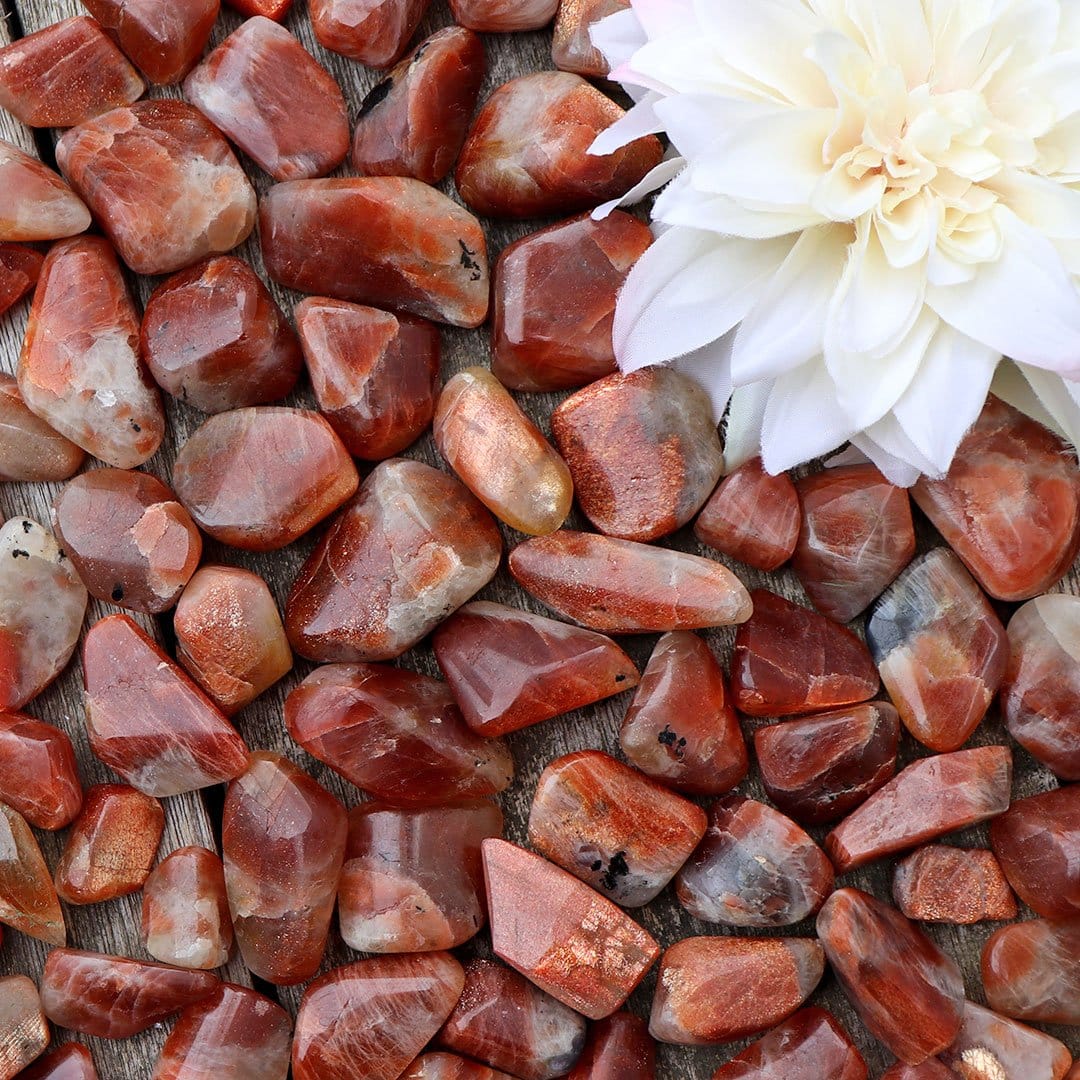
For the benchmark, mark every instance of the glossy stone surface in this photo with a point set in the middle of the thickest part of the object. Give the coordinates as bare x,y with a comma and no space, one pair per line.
619,1048
440,1066
681,728
1031,971
907,991
221,477
754,867
819,768
113,997
571,47
271,9
375,32
1009,505
28,899
719,989
20,267
368,1020
930,1069
237,1033
147,720
554,301
1041,687
992,1047
561,935
42,603
502,1019
213,337
952,885
931,797
30,450
526,153
396,734
70,1062
112,845
283,843
24,1035
643,451
162,182
382,240
620,832
790,660
65,74
500,455
856,536
185,912
622,587
38,205
270,96
375,374
413,123
503,16
752,516
411,548
38,775
509,669
129,539
229,636
1037,842
413,878
79,369
940,648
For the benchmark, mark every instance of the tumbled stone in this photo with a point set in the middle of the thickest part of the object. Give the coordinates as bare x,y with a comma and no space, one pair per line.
147,720
1031,971
571,47
30,450
526,154
561,935
509,669
20,268
368,1020
819,768
952,885
992,1047
790,660
28,900
619,1048
79,369
70,1062
413,122
553,301
856,536
413,878
112,845
681,728
221,475
411,548
930,1069
283,843
38,205
65,74
24,1034
185,912
439,1066
931,797
213,337
500,455
229,636
754,867
1037,842
503,16
502,1019
1041,687
273,99
271,9
940,648
127,536
38,774
42,603
375,374
622,587
811,1045
752,516
1009,505
162,182
375,32
396,734
643,451
905,989
237,1033
113,997
719,989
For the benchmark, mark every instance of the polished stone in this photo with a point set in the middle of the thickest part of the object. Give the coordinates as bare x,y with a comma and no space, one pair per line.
24,1034
270,9
992,1047
38,774
1031,971
28,900
930,1069
69,1062
20,268
375,32
38,205
30,450
503,16
440,1066
619,1048
946,884
571,47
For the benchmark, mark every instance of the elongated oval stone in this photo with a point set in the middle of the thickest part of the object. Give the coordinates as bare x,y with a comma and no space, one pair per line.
24,1034
939,883
1031,971
69,1062
30,450
20,268
571,47
375,32
38,205
28,900
619,1048
930,1069
38,774
503,16
439,1066
992,1047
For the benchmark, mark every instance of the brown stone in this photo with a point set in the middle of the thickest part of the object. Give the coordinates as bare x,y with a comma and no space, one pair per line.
28,900
439,1066
24,1034
1031,971
503,16
38,205
571,47
38,775
930,1069
619,1048
992,1047
69,1062
271,9
375,32
20,268
952,885
30,450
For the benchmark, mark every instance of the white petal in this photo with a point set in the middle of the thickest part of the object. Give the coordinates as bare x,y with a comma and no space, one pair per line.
662,17
1059,151
888,437
896,33
906,234
633,124
840,197
1050,207
895,469
655,178
618,37
696,122
742,435
711,367
681,204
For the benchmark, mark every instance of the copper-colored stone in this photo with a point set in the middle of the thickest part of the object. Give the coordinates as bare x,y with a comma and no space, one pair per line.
375,32
28,900
619,1048
271,9
930,1069
69,1062
439,1066
38,774
38,205
24,1034
20,267
952,885
503,16
30,450
992,1047
571,47
1031,971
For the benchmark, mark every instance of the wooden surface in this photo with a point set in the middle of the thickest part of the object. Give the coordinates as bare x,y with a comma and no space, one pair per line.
191,819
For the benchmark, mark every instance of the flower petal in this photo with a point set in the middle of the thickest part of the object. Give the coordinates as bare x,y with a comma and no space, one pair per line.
895,467
711,367
633,124
696,122
655,178
895,32
618,36
1041,395
681,204
1050,207
742,434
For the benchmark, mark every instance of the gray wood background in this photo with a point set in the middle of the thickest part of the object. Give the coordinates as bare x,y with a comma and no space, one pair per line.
193,819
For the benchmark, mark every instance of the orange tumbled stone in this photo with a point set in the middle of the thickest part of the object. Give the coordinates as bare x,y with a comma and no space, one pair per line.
619,1048
271,9
992,1047
38,205
20,267
952,885
375,32
440,1066
24,1034
69,1062
38,774
1031,971
930,1069
571,47
30,450
503,16
28,900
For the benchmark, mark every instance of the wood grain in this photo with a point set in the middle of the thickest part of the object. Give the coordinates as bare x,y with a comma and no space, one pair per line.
113,927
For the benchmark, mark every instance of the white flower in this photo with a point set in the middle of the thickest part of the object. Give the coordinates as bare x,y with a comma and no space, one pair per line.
873,201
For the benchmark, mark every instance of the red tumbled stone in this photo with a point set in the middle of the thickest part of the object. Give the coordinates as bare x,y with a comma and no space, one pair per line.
992,1047
440,1066
24,1034
527,152
789,660
20,268
29,449
38,774
503,16
271,9
270,96
619,1048
930,1069
952,885
1031,971
38,205
571,47
375,32
28,900
907,991
70,1062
